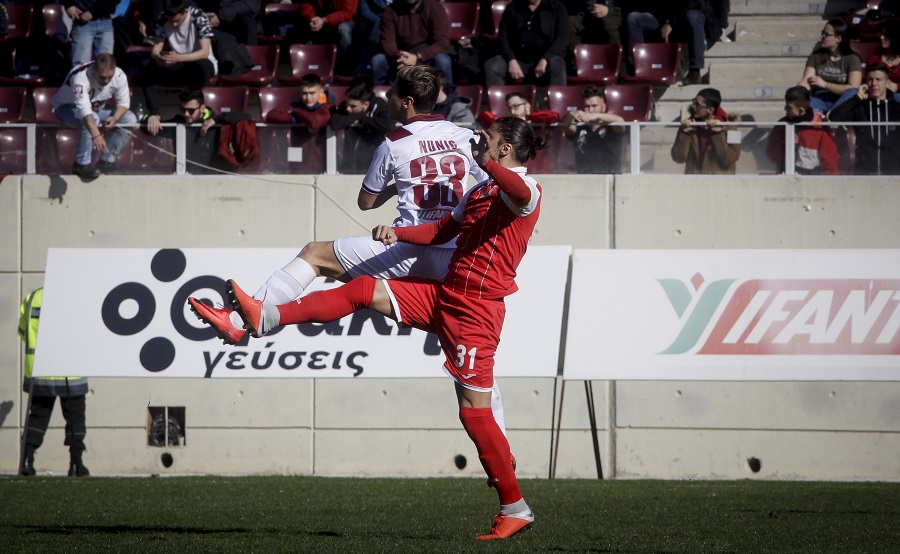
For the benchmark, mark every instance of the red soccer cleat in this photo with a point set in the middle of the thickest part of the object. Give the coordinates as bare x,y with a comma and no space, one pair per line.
219,319
250,309
506,526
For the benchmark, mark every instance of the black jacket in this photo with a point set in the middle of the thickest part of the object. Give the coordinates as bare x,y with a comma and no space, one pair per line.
364,132
877,147
553,21
203,149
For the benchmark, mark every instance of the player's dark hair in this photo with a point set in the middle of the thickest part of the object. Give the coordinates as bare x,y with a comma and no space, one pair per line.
891,31
420,83
591,92
798,96
712,96
525,141
360,90
187,95
105,61
311,80
174,7
878,67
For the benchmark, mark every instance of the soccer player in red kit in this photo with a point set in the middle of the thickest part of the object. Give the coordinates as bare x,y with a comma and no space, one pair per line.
494,222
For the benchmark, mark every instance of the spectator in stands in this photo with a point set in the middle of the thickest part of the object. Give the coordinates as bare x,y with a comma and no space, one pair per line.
365,120
81,103
815,149
92,28
368,21
202,140
533,38
600,22
413,32
235,17
455,108
887,56
598,147
313,111
877,146
519,106
833,70
183,55
329,22
664,16
710,147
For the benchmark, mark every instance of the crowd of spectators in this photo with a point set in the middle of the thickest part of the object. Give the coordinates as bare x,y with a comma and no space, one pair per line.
187,44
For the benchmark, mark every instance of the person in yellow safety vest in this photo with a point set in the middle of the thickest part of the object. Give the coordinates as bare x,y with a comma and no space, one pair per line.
42,395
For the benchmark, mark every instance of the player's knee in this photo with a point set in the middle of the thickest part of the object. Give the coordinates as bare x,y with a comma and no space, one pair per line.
320,255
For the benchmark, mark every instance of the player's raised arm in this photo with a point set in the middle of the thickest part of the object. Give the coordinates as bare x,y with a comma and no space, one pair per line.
495,154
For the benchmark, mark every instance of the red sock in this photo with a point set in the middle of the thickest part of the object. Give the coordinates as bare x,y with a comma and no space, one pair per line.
329,305
493,451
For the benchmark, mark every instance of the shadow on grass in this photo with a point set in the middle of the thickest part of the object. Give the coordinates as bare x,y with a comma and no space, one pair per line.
153,530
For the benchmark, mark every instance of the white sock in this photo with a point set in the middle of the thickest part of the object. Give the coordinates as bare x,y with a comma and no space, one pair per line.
517,509
497,407
287,283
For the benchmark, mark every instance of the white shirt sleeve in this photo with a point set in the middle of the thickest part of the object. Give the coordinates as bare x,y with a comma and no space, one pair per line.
381,170
119,85
81,88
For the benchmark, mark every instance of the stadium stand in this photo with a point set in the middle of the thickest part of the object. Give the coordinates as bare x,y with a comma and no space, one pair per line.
311,58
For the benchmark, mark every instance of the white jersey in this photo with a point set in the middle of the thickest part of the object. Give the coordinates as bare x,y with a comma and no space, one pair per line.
82,89
430,160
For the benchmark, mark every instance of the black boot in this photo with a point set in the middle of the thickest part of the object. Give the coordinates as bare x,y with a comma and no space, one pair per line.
76,466
27,468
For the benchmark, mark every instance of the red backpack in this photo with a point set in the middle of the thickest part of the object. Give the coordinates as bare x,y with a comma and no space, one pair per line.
238,142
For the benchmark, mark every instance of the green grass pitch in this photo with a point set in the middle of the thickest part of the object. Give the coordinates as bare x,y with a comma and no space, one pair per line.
312,514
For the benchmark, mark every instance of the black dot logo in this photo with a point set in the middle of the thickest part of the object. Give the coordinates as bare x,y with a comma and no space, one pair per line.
168,264
157,354
111,311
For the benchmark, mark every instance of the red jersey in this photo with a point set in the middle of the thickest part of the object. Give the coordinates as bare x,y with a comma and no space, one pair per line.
493,233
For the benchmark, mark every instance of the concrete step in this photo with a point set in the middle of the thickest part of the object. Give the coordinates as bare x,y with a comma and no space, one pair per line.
723,50
794,7
778,30
759,72
730,91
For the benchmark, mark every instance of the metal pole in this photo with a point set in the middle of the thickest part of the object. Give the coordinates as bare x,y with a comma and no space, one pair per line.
592,417
790,160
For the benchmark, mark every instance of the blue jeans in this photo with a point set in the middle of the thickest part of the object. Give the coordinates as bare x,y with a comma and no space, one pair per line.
381,67
824,101
115,139
640,22
91,39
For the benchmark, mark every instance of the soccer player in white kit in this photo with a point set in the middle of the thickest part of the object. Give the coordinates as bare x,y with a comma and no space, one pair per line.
429,161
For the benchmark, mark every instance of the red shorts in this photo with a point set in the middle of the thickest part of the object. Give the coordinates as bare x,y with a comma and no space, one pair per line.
468,328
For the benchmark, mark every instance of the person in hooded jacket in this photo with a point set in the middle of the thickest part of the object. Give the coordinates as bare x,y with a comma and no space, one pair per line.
455,108
816,151
877,145
365,120
706,149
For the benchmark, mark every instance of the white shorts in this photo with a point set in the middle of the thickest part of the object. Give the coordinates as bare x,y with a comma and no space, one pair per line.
364,256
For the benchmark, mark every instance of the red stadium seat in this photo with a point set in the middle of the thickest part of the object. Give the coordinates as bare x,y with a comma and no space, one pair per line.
226,99
265,59
565,98
274,97
41,98
30,78
338,93
271,14
655,63
12,152
51,13
497,96
474,93
12,104
632,102
596,63
20,18
497,9
865,49
382,91
463,17
311,58
140,157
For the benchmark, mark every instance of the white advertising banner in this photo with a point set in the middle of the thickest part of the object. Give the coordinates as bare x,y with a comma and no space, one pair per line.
124,313
767,315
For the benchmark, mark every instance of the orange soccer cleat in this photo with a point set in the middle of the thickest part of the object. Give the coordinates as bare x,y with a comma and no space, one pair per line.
250,309
506,526
219,319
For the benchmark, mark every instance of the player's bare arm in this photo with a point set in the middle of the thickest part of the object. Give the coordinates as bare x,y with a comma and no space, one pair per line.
368,201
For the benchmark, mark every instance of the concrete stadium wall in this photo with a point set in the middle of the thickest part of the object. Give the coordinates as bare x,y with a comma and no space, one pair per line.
827,430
